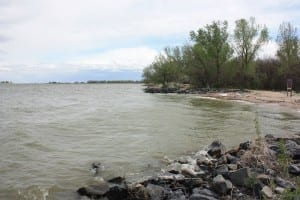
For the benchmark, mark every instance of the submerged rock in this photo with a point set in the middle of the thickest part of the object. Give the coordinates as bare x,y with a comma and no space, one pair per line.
94,191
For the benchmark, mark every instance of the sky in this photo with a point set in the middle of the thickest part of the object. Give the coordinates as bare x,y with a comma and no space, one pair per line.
80,40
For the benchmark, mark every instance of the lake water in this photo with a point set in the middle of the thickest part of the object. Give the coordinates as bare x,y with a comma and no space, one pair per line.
51,134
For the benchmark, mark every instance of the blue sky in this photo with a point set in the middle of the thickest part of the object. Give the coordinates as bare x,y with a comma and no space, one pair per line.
76,40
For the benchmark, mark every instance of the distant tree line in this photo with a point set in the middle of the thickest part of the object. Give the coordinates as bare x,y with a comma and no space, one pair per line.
217,59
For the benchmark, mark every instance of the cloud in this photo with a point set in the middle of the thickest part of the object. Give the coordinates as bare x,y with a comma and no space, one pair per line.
108,34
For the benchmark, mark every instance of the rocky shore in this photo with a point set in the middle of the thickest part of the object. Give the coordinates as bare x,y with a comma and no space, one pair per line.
185,90
267,168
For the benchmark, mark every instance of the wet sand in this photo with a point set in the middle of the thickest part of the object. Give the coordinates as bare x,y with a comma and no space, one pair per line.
260,96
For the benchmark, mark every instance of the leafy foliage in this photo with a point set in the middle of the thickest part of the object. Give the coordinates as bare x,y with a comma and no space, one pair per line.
213,60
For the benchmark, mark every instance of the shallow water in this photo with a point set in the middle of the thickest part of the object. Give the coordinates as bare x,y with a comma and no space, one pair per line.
51,134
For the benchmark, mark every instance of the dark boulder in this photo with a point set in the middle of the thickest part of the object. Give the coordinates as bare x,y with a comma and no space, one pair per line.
220,185
201,197
294,169
245,145
222,170
117,192
94,191
216,149
232,159
117,180
240,177
284,183
156,192
206,193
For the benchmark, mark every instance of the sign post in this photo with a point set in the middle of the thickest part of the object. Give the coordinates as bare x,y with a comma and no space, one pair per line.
289,87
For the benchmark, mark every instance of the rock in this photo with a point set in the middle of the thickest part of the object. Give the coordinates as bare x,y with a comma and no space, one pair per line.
240,153
174,168
189,171
171,177
232,166
220,185
284,183
267,192
205,192
240,177
263,178
177,195
271,172
294,169
138,191
192,183
96,168
222,170
201,197
279,190
117,193
117,180
232,159
245,145
184,159
155,192
222,160
295,153
94,191
216,149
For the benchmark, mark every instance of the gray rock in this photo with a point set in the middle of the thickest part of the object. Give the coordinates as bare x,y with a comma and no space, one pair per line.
216,149
155,192
174,168
201,197
222,160
222,170
294,169
177,195
232,159
245,145
183,160
204,191
232,166
284,183
220,185
267,192
279,190
117,192
189,171
263,178
240,177
94,191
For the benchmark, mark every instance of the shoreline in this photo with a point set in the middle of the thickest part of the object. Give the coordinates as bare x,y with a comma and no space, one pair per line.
266,168
259,97
252,96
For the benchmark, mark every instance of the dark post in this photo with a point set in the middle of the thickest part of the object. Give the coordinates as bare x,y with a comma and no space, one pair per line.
289,87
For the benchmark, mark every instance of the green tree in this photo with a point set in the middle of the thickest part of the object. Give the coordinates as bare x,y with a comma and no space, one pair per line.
248,39
288,43
212,48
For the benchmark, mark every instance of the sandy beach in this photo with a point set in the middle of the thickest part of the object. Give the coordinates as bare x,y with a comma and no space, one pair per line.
261,96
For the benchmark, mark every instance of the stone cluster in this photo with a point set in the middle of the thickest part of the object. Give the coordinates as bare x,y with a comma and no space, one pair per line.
250,171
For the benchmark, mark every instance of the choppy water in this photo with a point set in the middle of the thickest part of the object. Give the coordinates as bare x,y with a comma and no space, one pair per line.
50,134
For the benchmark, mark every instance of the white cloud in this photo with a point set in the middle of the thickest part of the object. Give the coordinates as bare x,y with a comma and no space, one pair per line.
119,59
116,34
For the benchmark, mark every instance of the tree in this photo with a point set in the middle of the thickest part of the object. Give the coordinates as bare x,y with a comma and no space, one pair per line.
288,43
212,48
248,39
